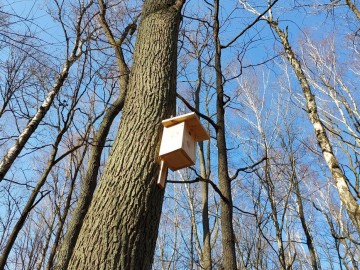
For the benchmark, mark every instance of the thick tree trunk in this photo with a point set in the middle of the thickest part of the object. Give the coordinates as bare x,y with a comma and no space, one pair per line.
90,180
120,228
88,186
62,217
346,197
227,231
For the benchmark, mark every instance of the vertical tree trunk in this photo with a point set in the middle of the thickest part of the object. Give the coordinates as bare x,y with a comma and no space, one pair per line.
228,241
90,180
315,263
270,190
120,228
350,203
62,217
314,258
206,251
87,187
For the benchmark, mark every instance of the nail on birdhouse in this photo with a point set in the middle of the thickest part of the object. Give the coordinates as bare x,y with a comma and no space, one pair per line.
178,143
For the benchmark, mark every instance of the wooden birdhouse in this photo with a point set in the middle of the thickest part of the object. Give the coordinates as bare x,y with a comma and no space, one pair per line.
178,144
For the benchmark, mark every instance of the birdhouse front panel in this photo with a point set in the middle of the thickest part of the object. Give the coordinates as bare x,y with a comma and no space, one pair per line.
178,147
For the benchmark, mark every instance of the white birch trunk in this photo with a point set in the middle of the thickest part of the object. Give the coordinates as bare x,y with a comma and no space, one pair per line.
20,142
346,197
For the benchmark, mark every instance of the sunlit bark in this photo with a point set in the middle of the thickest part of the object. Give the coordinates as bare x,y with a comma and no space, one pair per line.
120,228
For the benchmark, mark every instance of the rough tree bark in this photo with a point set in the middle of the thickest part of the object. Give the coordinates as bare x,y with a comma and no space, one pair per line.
90,180
63,216
120,228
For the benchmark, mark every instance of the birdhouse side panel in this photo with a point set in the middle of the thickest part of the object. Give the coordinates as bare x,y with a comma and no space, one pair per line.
172,139
189,144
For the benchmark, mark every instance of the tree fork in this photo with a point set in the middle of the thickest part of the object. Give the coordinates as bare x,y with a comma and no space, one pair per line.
89,181
120,228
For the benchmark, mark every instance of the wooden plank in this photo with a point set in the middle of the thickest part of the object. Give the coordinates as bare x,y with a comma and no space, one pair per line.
178,119
162,175
193,123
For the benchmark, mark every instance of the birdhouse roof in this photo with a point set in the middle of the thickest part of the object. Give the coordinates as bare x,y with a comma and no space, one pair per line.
192,122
